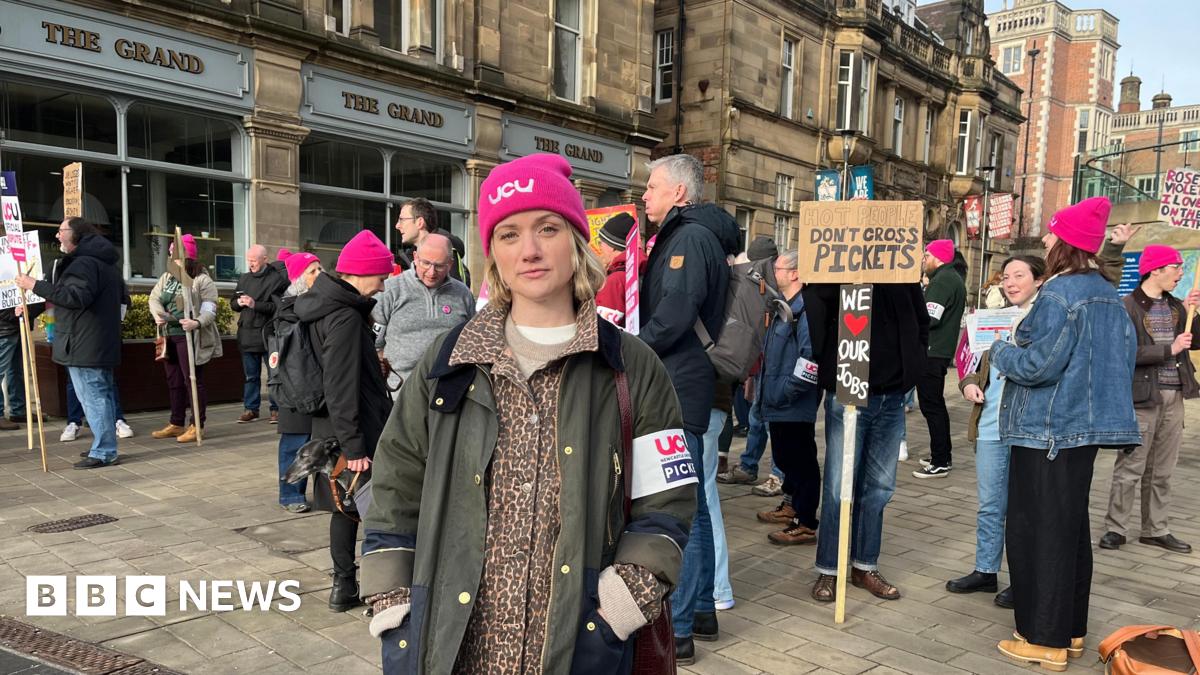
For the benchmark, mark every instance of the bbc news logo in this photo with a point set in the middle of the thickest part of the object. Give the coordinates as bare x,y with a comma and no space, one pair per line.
147,595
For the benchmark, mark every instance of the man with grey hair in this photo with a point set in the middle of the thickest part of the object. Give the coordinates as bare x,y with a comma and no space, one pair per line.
683,298
417,306
257,296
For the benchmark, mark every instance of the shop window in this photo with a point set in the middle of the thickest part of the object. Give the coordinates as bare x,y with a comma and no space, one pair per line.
210,210
344,165
327,222
416,176
178,137
56,117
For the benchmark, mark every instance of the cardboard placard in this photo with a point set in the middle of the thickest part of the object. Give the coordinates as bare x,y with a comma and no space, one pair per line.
10,206
10,294
854,344
1180,204
73,190
861,242
596,218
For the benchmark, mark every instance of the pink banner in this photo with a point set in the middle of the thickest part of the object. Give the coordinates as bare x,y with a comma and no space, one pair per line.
1000,216
633,260
964,360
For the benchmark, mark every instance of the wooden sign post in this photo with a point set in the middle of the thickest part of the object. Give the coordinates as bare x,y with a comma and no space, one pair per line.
857,244
178,267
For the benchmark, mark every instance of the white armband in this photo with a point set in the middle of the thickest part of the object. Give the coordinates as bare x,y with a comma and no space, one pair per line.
661,461
210,307
935,310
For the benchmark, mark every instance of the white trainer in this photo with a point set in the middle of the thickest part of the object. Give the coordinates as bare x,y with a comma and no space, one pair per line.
903,451
69,433
124,430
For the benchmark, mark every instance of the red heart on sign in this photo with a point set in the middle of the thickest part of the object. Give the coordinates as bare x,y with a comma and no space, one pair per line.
856,324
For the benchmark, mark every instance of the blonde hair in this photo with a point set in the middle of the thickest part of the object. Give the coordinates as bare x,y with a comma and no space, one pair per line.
587,277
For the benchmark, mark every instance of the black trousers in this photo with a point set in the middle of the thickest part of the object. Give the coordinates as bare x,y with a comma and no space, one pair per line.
794,447
1049,544
931,395
343,534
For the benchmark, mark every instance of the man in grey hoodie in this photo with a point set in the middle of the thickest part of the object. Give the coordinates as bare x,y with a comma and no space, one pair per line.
417,306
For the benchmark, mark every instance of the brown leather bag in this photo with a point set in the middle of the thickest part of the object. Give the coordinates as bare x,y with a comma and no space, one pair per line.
1151,650
654,645
160,345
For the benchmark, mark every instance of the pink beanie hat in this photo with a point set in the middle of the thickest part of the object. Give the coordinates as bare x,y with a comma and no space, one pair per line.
942,249
365,256
1082,225
1157,256
530,183
283,255
297,263
189,246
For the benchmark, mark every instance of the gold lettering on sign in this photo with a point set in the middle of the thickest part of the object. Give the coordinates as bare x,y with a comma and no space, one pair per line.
57,34
361,103
79,38
545,144
584,153
415,115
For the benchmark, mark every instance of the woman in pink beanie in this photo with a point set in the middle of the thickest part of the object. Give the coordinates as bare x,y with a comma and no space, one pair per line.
337,310
498,539
1067,376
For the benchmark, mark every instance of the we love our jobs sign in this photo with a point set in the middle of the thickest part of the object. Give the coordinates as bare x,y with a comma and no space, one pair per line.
861,242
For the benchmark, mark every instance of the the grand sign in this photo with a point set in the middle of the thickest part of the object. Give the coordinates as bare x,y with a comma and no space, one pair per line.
73,44
589,156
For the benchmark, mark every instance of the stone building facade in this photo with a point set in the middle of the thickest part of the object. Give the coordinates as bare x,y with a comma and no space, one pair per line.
1137,131
763,88
1070,85
297,123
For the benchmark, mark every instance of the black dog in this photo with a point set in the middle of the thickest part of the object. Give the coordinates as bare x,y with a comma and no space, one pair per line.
319,455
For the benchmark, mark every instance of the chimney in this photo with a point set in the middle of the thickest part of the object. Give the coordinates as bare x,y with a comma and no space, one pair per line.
1131,95
1160,100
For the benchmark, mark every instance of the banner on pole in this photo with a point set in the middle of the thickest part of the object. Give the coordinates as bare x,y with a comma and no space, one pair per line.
1180,203
633,256
973,214
11,207
854,344
73,190
829,184
1000,215
861,242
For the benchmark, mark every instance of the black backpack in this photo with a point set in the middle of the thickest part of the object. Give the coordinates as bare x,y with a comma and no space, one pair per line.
294,372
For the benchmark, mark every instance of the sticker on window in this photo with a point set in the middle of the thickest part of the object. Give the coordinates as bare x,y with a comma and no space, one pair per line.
661,462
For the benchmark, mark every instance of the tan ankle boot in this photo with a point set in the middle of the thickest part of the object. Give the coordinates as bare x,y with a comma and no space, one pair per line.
1075,651
1049,658
188,436
169,431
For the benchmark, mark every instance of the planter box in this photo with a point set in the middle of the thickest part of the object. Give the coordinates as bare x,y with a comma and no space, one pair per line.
141,381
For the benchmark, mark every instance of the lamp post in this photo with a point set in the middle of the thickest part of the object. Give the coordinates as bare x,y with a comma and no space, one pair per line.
983,238
847,139
1033,54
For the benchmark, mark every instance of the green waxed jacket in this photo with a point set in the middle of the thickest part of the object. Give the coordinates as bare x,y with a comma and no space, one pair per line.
426,527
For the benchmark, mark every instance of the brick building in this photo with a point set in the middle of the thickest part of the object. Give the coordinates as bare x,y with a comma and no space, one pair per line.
760,90
300,122
1069,84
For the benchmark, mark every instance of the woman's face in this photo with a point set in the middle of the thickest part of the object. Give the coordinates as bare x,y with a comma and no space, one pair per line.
1019,283
532,251
1049,241
310,274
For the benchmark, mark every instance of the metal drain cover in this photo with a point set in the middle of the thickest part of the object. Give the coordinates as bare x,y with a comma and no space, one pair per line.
75,523
65,651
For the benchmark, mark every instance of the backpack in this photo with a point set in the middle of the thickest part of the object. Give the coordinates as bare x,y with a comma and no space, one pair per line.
749,303
294,372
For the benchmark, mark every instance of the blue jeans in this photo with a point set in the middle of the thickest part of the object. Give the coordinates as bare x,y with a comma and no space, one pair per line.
252,365
96,385
878,434
756,443
290,493
991,475
694,593
722,591
75,410
13,375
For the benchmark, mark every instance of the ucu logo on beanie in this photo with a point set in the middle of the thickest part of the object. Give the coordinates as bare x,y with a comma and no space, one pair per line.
509,189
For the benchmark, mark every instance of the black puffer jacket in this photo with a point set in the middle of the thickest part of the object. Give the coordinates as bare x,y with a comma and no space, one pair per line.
265,286
356,400
687,277
291,421
86,294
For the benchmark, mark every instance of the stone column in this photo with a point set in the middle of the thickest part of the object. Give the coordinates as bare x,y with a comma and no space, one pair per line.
362,21
590,191
275,133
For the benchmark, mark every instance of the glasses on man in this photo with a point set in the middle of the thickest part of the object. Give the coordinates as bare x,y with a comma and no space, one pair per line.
427,265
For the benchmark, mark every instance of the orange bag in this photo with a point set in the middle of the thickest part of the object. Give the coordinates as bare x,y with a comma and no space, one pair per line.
1151,650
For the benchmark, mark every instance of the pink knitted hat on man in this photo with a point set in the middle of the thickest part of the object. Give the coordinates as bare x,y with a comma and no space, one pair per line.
1156,256
189,246
365,256
942,249
298,262
1082,225
530,183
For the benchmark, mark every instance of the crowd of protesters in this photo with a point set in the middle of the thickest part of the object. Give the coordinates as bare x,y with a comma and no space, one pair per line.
543,484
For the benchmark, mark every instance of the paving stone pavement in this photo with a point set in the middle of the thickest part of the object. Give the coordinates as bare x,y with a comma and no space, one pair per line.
210,513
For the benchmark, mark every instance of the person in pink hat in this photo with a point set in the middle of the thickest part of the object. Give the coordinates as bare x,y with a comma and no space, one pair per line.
945,301
1164,377
168,307
497,540
337,310
1067,376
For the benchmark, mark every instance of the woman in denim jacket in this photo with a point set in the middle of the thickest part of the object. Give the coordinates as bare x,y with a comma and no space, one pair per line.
1068,373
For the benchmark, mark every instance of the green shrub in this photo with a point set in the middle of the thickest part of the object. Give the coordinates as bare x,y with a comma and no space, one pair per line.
139,324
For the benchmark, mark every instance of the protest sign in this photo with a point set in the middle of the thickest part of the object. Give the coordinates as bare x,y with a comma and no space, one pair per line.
1180,203
10,295
965,360
1000,215
858,242
985,326
1129,274
854,344
11,208
73,190
973,213
596,218
633,260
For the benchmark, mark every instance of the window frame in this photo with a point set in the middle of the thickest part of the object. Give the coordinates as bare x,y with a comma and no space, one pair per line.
787,78
577,77
866,93
898,126
963,155
1193,141
664,68
930,116
1010,65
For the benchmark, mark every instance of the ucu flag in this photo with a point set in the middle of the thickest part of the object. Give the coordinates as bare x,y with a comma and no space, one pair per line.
509,189
661,461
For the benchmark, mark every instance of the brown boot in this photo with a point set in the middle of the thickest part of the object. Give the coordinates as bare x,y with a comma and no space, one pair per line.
169,431
248,416
188,436
8,425
1049,658
780,515
825,589
793,535
1075,651
874,582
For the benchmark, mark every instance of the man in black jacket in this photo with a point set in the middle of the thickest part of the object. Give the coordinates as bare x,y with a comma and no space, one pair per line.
258,293
87,301
11,370
686,279
898,347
